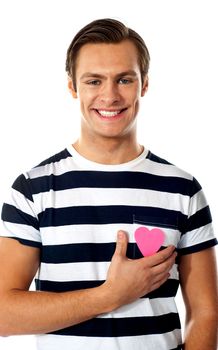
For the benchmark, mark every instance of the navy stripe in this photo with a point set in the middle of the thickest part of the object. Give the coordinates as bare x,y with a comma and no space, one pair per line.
79,215
157,159
14,215
196,187
27,242
52,286
81,252
22,185
56,158
123,327
198,247
85,252
167,290
101,179
201,218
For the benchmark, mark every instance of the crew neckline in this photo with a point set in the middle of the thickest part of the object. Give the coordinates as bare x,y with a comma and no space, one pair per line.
89,164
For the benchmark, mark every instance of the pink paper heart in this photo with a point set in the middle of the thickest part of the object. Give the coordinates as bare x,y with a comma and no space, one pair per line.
149,241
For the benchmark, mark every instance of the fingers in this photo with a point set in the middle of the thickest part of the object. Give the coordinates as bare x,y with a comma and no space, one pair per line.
161,256
158,282
121,245
165,266
161,272
132,278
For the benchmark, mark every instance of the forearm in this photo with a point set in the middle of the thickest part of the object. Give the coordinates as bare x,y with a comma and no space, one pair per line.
27,312
201,333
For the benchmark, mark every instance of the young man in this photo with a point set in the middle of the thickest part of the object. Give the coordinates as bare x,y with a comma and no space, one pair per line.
73,219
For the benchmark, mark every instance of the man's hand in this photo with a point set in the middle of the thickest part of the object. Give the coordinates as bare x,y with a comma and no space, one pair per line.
46,312
129,279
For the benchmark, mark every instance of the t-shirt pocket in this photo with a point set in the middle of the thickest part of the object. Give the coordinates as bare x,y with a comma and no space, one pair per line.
168,226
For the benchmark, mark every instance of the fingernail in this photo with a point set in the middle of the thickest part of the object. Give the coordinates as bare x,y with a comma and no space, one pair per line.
120,234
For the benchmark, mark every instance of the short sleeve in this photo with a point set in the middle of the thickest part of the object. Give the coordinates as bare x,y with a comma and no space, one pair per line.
19,218
198,233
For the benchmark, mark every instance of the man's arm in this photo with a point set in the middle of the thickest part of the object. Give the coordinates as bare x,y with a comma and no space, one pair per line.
30,312
199,288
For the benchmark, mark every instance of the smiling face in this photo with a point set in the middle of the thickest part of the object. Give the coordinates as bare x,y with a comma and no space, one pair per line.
109,88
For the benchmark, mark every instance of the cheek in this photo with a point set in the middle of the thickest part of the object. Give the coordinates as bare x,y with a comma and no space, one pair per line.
136,107
135,101
84,91
87,97
133,95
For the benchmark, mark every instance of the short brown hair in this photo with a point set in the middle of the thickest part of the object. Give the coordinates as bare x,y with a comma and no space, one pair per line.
106,30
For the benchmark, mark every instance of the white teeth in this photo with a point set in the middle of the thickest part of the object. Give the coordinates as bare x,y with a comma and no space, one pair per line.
108,113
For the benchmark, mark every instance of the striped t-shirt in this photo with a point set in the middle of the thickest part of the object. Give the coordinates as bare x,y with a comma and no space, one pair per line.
71,209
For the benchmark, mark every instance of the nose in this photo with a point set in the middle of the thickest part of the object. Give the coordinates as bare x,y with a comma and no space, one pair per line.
110,93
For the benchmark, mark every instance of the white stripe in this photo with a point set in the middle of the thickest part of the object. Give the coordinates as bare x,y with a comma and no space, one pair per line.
18,200
111,196
164,341
144,307
70,234
74,271
27,232
165,170
197,202
142,164
82,271
200,235
145,165
56,168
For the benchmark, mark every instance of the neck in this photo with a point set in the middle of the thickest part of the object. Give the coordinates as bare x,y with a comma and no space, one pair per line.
108,151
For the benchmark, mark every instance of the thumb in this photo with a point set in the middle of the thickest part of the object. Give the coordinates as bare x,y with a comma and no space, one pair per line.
121,245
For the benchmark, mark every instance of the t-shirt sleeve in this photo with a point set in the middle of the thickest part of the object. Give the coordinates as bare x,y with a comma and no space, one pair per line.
197,233
19,217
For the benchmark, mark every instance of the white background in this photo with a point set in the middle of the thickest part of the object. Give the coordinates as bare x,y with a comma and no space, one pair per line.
178,115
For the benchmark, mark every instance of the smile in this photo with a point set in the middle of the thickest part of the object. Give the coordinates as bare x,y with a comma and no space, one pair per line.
109,114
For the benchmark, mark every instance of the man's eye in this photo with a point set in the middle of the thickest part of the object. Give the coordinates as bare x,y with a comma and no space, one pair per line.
93,82
124,81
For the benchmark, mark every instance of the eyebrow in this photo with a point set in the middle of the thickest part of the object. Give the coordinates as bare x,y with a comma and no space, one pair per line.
97,75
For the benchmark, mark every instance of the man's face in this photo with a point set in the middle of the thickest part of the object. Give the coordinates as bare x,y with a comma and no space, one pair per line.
109,89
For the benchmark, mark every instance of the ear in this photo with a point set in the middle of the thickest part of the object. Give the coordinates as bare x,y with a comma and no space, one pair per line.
145,86
71,87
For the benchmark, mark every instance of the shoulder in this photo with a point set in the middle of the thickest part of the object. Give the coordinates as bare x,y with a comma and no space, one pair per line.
55,158
52,165
36,178
164,167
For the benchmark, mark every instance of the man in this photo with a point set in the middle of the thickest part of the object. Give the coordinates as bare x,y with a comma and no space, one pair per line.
73,218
